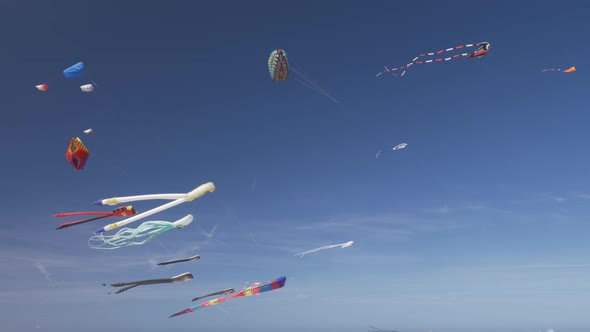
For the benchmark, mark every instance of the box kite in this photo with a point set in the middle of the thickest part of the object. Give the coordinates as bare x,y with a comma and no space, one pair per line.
77,153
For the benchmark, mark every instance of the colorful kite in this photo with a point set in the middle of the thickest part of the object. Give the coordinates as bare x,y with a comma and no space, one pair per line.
125,236
174,280
278,65
223,292
77,153
570,70
341,245
177,199
190,259
199,306
279,68
42,87
482,50
123,211
255,290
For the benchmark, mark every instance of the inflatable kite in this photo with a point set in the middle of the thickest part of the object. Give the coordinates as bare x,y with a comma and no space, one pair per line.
395,148
190,259
570,70
126,236
482,50
278,65
176,200
42,87
255,290
76,70
87,88
174,280
77,153
341,245
223,292
123,211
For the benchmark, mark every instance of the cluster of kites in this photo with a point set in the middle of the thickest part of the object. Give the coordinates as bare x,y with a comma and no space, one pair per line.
280,68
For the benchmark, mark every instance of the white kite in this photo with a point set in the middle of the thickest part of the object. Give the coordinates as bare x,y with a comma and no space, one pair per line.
87,87
89,131
175,198
42,87
341,245
395,148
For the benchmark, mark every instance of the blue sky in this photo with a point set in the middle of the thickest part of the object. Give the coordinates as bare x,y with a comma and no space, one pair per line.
481,222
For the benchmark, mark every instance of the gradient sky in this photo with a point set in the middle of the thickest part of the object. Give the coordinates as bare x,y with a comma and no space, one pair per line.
480,223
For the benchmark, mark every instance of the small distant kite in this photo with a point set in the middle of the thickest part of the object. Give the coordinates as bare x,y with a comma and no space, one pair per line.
483,49
190,259
570,70
395,148
176,200
174,280
77,153
87,88
131,237
76,70
89,131
42,87
223,292
123,211
341,245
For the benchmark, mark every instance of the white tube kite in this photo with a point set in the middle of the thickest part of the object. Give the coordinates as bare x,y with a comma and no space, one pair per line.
341,245
89,131
177,199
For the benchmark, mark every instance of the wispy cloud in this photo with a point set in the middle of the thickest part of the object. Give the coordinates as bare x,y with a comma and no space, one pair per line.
43,271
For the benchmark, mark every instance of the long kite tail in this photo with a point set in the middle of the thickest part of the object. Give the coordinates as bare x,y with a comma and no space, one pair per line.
416,60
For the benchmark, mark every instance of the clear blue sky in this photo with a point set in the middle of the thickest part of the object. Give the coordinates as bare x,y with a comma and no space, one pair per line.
480,223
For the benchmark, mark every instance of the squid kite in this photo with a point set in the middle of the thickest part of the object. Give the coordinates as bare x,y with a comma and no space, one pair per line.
123,211
254,290
77,153
223,292
395,148
482,49
174,280
570,70
190,259
176,200
125,236
341,245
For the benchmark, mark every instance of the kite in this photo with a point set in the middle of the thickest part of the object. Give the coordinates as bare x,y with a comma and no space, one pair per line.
190,259
123,211
87,88
76,70
570,70
77,153
341,245
174,280
255,290
42,87
482,50
177,199
89,131
279,68
199,306
278,65
395,148
125,236
223,292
